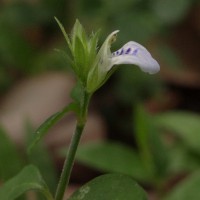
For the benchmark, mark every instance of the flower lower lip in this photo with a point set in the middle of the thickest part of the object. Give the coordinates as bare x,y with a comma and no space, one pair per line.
134,53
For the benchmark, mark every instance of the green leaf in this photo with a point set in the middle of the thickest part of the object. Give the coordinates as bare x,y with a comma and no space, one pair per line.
187,189
141,128
112,157
110,186
151,147
184,125
10,160
28,179
43,129
43,162
180,156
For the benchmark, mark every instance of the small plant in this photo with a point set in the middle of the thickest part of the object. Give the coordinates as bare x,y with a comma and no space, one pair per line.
92,68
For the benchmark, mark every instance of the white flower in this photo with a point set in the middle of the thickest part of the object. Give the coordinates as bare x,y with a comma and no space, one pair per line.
130,53
134,53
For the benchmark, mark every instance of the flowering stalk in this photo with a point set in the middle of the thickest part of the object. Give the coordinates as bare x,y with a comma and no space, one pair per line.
69,160
92,69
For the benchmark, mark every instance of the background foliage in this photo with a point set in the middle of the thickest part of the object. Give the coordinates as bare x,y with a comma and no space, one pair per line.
152,121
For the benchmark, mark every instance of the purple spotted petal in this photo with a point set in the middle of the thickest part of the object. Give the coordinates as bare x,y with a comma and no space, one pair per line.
134,53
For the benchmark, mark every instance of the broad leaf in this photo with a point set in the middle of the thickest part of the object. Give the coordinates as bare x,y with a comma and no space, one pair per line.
185,125
110,186
112,157
28,179
52,120
187,189
10,160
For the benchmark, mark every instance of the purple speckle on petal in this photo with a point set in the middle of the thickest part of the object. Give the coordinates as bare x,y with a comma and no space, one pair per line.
122,51
135,52
128,51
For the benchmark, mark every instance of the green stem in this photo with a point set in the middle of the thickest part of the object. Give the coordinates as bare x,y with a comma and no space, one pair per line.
69,160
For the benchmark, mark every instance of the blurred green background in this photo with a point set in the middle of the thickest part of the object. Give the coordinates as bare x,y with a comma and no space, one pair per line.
170,29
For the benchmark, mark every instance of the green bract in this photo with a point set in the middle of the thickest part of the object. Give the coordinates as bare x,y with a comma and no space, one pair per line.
88,64
83,50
